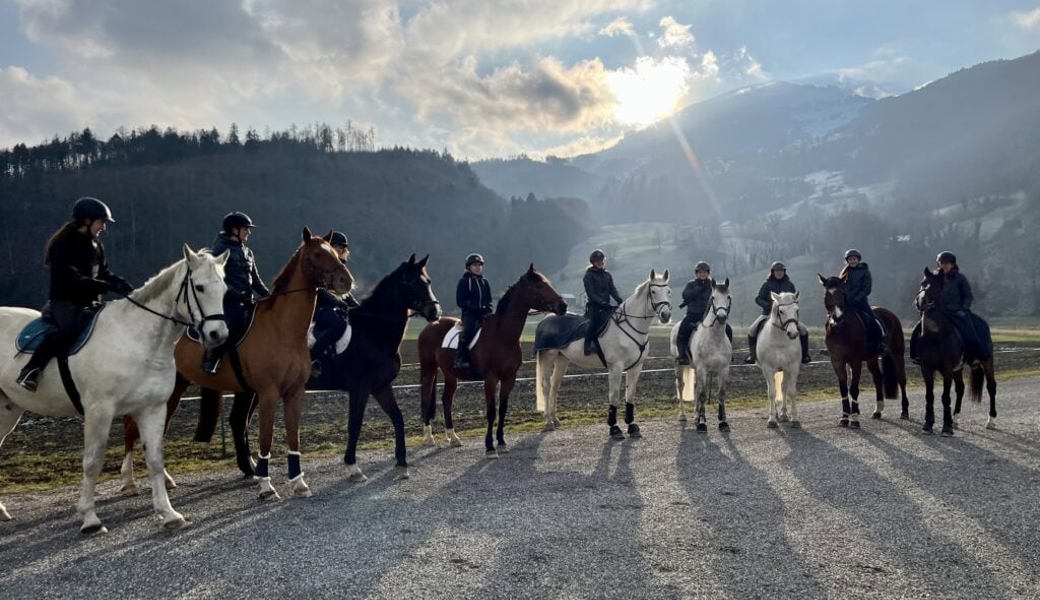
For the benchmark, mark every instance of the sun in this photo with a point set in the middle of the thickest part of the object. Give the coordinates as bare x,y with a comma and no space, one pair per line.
650,91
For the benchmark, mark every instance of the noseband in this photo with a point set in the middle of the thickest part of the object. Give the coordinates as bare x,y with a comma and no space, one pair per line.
187,287
783,324
713,309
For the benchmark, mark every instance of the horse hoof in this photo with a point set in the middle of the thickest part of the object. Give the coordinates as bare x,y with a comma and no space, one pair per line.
97,529
634,431
783,419
702,427
876,416
843,423
771,424
358,477
129,489
904,416
170,484
723,426
269,495
796,424
4,515
548,428
503,448
956,425
991,423
429,442
947,431
616,434
401,471
854,424
491,454
176,524
927,430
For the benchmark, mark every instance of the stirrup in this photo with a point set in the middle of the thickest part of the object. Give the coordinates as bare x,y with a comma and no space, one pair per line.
315,368
210,367
30,380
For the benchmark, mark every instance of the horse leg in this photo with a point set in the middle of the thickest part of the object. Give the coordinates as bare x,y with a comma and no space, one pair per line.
490,389
241,411
789,384
680,384
901,380
388,402
268,398
876,375
771,392
131,434
723,378
991,389
428,400
451,383
842,372
9,417
857,370
958,390
292,407
505,388
560,365
358,400
96,425
929,399
702,396
631,380
614,398
947,428
152,423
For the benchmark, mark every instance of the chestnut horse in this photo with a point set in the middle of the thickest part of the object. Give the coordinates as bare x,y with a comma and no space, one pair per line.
496,356
847,345
275,361
942,349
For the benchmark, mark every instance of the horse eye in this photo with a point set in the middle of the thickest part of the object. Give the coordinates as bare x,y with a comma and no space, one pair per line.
198,288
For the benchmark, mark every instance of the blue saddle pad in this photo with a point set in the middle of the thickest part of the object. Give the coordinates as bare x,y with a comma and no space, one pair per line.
557,331
33,333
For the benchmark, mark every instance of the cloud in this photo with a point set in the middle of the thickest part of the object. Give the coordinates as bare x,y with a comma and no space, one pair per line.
1028,20
619,26
34,107
749,66
674,35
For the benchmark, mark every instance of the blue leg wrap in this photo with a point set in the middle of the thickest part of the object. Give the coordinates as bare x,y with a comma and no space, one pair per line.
261,465
294,465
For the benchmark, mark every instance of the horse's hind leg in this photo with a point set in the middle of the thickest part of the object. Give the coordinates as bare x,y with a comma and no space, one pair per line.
991,389
958,390
857,370
293,406
680,383
151,422
771,392
505,387
388,402
9,416
723,378
559,369
358,400
702,397
947,428
877,376
631,380
451,384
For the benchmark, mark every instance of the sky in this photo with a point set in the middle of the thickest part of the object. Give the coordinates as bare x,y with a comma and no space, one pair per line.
481,78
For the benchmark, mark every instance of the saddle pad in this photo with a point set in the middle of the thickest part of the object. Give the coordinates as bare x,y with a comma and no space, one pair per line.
341,343
33,333
451,339
558,331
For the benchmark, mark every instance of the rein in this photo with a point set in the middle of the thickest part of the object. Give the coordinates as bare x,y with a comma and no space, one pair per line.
187,286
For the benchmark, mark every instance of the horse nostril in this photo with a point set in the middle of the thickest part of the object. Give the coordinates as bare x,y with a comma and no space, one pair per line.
213,335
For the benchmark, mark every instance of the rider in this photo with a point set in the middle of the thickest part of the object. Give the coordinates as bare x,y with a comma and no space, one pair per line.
330,312
855,276
79,276
242,279
473,295
956,305
776,283
696,297
599,291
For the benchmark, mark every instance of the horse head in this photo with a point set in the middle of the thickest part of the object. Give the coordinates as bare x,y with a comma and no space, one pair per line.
721,301
417,288
534,291
930,293
833,296
659,295
202,292
785,312
320,261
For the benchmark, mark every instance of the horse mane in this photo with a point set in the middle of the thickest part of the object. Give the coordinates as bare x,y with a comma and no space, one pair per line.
378,290
722,287
280,284
503,302
156,284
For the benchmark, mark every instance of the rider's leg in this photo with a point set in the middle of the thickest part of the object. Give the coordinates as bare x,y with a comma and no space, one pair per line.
803,337
682,339
752,339
470,324
66,317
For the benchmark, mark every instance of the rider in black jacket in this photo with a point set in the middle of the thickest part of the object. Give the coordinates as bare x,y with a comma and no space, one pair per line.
599,291
242,279
776,283
330,311
956,306
79,276
696,296
856,279
473,296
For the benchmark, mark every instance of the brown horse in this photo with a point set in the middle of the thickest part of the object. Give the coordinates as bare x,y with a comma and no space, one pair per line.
941,348
275,361
847,345
495,358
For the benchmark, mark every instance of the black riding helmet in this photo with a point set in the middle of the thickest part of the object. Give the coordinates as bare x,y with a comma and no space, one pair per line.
853,252
702,266
339,239
87,208
597,255
474,258
946,256
236,220
777,266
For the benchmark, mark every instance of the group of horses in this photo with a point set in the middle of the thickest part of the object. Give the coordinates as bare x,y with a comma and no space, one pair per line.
141,359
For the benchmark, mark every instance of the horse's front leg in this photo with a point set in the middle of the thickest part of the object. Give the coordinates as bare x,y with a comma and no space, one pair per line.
723,377
293,407
991,389
680,385
842,373
879,389
151,423
505,388
958,390
703,386
928,374
947,428
490,389
356,415
857,371
771,392
614,395
131,434
96,425
631,380
388,402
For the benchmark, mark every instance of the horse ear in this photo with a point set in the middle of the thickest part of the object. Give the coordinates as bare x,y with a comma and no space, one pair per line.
927,272
422,263
665,275
726,283
652,274
188,253
823,280
223,258
530,269
307,233
774,296
796,296
411,259
327,237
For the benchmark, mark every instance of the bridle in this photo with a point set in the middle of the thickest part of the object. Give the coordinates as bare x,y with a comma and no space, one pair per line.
621,316
713,310
784,323
188,292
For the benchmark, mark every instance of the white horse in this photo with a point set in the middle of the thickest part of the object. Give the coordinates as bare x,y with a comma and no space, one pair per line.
779,354
624,343
125,368
711,351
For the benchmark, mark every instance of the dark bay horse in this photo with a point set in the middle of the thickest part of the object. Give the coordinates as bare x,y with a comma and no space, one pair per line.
275,361
940,348
496,357
846,343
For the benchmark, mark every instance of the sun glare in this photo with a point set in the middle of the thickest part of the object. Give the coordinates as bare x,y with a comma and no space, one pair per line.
650,91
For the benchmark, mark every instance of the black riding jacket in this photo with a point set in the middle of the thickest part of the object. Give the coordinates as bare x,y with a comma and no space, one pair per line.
240,272
599,288
857,284
956,293
775,286
79,271
695,297
473,295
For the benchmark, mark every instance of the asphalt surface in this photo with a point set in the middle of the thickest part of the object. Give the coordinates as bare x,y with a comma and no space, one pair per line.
817,512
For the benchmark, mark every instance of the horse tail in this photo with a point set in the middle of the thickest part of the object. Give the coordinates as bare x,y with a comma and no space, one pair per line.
210,404
978,377
542,372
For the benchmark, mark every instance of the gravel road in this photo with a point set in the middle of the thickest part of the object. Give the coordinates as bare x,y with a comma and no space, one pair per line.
817,512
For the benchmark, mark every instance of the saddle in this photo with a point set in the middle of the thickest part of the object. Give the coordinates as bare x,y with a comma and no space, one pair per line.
451,338
560,331
33,333
340,345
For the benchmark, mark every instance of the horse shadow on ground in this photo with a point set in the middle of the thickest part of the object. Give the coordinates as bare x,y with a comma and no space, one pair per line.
746,561
858,493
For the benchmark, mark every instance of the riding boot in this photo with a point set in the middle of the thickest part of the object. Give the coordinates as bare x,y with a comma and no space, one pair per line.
211,359
752,356
29,377
462,354
806,359
914,340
